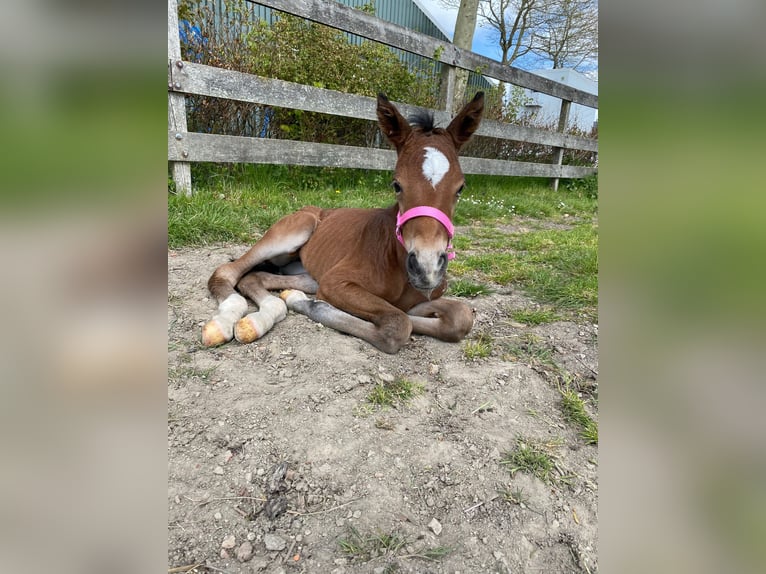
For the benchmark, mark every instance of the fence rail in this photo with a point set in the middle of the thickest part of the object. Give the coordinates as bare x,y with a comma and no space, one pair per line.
188,78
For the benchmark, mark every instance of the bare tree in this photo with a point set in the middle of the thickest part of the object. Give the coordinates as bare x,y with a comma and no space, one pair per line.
561,32
566,33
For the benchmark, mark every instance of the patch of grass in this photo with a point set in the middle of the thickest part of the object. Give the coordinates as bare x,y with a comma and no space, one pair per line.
466,288
555,266
529,349
531,457
398,392
233,202
186,372
478,348
367,547
574,411
534,316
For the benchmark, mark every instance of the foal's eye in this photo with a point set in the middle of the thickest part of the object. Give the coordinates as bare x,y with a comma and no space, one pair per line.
459,191
397,187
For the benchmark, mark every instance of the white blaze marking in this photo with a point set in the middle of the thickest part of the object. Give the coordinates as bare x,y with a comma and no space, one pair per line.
435,165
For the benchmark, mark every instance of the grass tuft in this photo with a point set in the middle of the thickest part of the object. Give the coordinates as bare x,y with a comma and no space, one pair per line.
534,316
531,457
574,411
466,288
399,392
479,348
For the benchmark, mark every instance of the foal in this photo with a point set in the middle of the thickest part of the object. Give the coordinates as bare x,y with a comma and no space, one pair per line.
378,274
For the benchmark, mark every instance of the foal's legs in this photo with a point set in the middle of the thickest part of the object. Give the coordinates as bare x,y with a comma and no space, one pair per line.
445,319
256,285
388,328
286,236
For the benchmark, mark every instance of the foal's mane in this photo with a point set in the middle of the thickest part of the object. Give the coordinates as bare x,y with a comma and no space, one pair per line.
423,121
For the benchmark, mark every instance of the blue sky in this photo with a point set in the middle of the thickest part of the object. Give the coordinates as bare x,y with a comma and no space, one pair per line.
445,18
483,43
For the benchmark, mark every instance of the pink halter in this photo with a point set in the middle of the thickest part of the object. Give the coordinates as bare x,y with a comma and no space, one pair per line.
425,211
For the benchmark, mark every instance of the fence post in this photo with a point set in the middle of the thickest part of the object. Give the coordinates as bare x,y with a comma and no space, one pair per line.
558,153
447,90
176,101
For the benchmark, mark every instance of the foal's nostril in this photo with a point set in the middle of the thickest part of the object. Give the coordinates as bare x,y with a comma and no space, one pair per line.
443,261
412,264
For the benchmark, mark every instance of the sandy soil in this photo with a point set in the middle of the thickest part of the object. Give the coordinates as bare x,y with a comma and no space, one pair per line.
275,456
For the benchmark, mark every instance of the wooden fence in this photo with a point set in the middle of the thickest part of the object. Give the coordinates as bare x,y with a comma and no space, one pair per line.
192,78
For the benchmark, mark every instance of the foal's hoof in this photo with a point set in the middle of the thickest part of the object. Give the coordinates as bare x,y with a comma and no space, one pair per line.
292,296
246,330
213,335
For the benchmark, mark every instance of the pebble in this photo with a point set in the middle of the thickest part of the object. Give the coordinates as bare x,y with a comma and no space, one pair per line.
217,516
248,476
433,369
386,377
224,554
274,542
244,552
218,470
430,501
497,554
435,526
251,536
229,542
364,379
357,513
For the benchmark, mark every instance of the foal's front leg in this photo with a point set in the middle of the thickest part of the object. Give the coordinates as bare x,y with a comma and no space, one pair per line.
388,328
445,319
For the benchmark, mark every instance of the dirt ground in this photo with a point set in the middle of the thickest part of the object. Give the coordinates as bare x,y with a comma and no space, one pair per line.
276,457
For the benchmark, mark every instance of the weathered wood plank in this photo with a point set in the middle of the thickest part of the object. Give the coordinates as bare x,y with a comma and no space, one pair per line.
176,101
235,149
368,26
216,82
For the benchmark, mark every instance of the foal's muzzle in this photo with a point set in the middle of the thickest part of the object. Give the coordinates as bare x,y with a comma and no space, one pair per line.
426,273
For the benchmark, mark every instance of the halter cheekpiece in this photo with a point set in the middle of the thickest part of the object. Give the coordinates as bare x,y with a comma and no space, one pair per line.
425,211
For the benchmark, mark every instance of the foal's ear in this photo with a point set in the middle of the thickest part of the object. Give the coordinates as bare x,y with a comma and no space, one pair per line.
463,125
393,124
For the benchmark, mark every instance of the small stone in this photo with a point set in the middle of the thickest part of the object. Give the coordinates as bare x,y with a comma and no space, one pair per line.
386,377
229,542
251,536
299,538
217,516
248,476
429,501
340,561
379,570
357,513
497,554
260,471
224,554
244,552
433,369
218,470
274,542
435,526
364,379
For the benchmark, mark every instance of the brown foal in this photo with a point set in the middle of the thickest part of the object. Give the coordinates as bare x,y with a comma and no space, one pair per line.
378,274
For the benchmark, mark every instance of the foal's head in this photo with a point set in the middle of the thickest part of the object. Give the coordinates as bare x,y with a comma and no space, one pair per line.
428,175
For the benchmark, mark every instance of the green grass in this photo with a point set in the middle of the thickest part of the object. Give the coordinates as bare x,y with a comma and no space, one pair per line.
467,288
529,349
573,408
534,316
399,392
233,203
532,457
479,347
366,547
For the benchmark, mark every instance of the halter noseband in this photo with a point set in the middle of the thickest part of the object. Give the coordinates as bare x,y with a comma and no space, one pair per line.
425,211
